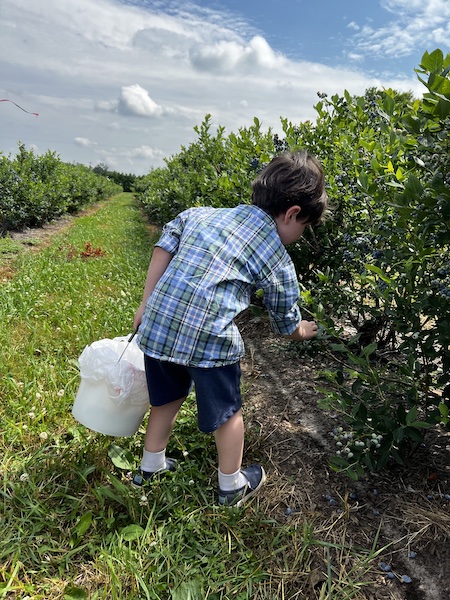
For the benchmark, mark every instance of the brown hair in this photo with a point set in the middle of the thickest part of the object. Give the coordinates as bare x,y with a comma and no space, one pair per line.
292,178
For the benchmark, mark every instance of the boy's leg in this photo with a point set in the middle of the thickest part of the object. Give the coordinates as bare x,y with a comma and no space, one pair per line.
219,396
160,423
159,428
236,485
165,381
229,439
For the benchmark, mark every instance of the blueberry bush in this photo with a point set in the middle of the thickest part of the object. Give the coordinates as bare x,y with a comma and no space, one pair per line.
35,189
215,170
390,273
376,274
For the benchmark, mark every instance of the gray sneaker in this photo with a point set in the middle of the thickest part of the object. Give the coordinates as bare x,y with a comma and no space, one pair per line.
256,477
140,477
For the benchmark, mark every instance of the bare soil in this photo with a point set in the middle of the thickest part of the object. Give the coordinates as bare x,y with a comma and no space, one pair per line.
407,510
402,510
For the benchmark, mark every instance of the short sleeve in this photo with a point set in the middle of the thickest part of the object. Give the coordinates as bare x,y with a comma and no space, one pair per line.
171,233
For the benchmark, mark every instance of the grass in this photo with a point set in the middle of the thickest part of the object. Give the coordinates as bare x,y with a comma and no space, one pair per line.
72,527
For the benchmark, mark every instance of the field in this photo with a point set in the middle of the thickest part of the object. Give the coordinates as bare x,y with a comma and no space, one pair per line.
74,528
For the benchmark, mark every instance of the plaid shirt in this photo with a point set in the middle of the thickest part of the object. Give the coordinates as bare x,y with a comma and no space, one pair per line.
220,256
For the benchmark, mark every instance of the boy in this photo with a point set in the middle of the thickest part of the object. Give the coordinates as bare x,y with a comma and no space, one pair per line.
203,270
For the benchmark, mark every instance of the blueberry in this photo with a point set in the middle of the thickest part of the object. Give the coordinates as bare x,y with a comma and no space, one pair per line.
412,555
390,575
447,496
406,579
376,512
332,502
353,496
385,567
288,511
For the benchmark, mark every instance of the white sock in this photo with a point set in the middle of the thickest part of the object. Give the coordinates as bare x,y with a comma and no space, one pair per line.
232,481
153,461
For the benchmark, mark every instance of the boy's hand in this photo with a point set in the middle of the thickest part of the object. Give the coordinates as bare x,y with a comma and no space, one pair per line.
138,315
305,331
308,329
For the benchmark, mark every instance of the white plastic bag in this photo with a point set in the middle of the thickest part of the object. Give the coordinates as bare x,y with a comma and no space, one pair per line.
113,397
124,378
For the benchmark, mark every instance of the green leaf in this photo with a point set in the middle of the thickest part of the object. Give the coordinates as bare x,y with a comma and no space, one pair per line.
432,62
188,590
398,434
131,532
411,415
352,474
83,524
442,108
356,386
338,347
74,593
339,462
363,181
440,85
121,457
413,186
368,459
389,105
443,409
395,184
378,271
413,434
420,424
412,123
105,492
370,349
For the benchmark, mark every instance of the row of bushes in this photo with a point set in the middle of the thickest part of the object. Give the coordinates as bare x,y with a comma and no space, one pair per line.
125,180
380,264
35,189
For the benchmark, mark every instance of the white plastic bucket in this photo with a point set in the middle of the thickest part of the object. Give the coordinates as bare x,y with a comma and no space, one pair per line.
94,409
112,398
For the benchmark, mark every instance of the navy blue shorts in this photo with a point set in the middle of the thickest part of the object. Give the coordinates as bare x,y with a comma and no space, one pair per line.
217,389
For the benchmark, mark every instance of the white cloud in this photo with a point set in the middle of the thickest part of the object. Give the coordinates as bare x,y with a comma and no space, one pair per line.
84,142
355,57
107,105
135,100
424,22
144,152
228,57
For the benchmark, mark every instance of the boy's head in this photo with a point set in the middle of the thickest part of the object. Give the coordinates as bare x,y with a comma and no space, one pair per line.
292,179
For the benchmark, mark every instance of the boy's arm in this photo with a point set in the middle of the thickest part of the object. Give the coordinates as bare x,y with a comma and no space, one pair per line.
158,264
306,330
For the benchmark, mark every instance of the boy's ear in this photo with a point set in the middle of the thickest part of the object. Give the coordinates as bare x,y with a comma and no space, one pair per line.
292,212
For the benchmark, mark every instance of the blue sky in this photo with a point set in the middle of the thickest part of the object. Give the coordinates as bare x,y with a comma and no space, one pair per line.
124,82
